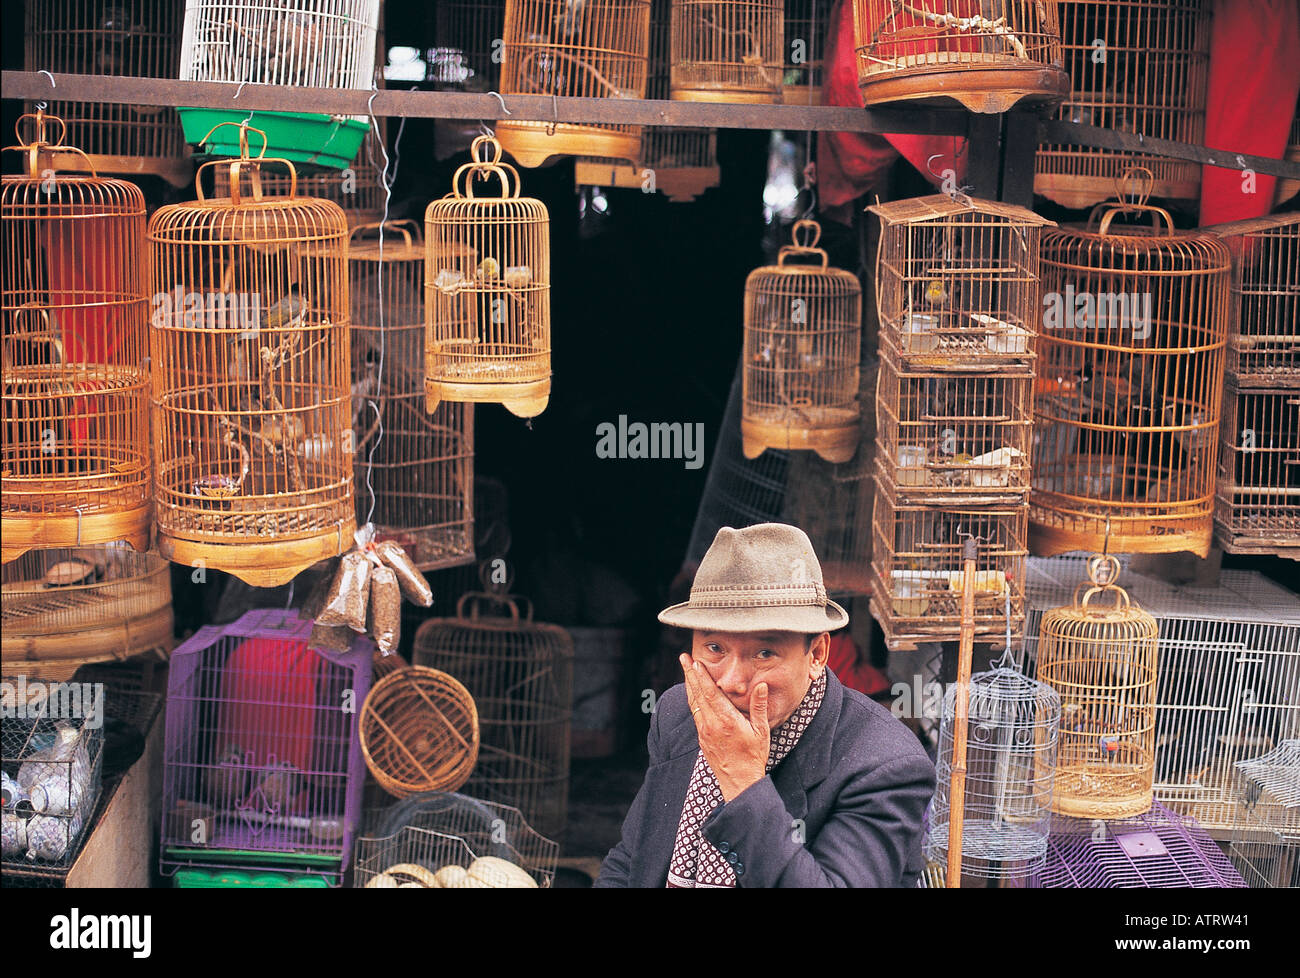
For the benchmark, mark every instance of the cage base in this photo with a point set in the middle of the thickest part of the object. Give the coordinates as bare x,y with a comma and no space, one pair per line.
978,89
729,95
1079,192
524,400
23,532
57,656
802,94
1238,542
835,444
959,495
1127,535
177,171
592,173
529,144
268,563
1091,806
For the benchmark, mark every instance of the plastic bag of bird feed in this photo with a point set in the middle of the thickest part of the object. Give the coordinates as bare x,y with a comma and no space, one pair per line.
385,609
349,593
414,586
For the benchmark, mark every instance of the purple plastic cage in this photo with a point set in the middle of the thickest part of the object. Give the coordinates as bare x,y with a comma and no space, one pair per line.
263,767
1158,849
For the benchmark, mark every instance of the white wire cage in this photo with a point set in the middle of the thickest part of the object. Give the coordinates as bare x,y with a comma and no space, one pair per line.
1265,845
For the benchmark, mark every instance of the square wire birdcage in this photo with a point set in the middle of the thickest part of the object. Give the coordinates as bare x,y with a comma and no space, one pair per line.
1265,845
262,768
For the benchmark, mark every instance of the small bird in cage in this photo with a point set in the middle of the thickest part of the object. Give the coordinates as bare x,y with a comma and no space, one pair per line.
289,38
112,34
489,269
288,312
542,68
936,293
568,19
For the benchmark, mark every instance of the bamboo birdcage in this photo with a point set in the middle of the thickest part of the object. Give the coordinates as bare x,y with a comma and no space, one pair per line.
465,57
419,467
807,23
252,377
1265,843
986,56
1264,319
957,282
803,336
1102,660
1138,66
75,313
1130,386
727,50
575,49
109,37
520,674
1257,506
488,291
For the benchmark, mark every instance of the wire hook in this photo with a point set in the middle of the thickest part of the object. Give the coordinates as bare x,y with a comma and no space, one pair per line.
555,111
49,76
502,101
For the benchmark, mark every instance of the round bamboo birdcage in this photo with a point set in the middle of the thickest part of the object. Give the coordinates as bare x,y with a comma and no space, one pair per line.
941,50
252,374
75,308
109,37
419,732
727,50
807,23
803,337
575,49
520,674
70,606
1257,506
487,298
1101,660
414,471
1138,66
1130,388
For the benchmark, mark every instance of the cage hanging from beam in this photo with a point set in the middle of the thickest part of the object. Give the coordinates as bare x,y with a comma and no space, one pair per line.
807,23
574,49
727,50
802,347
1137,66
941,50
102,37
419,466
1265,844
252,375
75,309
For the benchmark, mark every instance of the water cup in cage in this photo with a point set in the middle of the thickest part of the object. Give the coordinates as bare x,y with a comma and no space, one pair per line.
911,465
919,332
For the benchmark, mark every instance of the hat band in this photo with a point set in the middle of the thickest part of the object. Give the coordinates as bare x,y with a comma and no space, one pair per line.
771,596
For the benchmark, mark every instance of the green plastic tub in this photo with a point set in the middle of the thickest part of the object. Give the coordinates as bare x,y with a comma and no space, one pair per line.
225,879
303,137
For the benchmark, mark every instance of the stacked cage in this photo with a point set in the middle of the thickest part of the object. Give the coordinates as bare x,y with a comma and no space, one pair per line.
1265,844
807,26
414,471
727,50
262,769
102,37
957,288
1257,506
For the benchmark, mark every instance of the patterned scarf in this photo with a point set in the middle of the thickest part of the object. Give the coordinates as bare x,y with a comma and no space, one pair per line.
696,862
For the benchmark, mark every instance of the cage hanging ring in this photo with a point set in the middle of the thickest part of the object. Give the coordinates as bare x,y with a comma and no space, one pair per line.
810,230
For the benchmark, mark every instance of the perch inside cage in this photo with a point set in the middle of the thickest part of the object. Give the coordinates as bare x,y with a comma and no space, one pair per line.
75,463
574,49
803,333
1265,845
1257,507
414,468
262,768
807,25
104,37
1134,66
1101,660
727,50
1130,385
520,674
487,292
986,56
308,43
957,282
252,411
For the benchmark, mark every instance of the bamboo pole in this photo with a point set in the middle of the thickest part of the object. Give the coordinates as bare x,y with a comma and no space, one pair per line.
957,786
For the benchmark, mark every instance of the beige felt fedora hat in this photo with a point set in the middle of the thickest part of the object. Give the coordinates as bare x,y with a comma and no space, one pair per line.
764,578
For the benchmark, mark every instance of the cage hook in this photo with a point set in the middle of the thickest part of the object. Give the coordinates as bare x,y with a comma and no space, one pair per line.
485,130
555,112
49,76
240,90
502,101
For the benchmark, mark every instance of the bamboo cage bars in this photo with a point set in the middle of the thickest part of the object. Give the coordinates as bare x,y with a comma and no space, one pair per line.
488,291
802,343
807,23
1257,506
75,311
465,32
1101,659
1149,74
420,467
986,56
252,382
1130,388
101,37
576,49
727,50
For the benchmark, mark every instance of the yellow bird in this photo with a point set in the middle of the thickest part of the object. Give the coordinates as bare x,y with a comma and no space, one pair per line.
935,293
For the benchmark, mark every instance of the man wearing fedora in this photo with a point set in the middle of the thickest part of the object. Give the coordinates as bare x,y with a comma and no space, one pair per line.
764,770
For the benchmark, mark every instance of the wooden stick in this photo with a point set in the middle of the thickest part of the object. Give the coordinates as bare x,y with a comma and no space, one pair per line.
957,786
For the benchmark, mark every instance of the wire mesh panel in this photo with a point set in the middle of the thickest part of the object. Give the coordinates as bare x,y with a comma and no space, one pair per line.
1139,66
75,307
1265,846
1130,388
53,774
109,37
414,471
576,49
262,768
520,673
807,23
802,346
1012,725
987,56
1264,319
957,282
488,291
727,50
252,383
1157,849
1257,508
